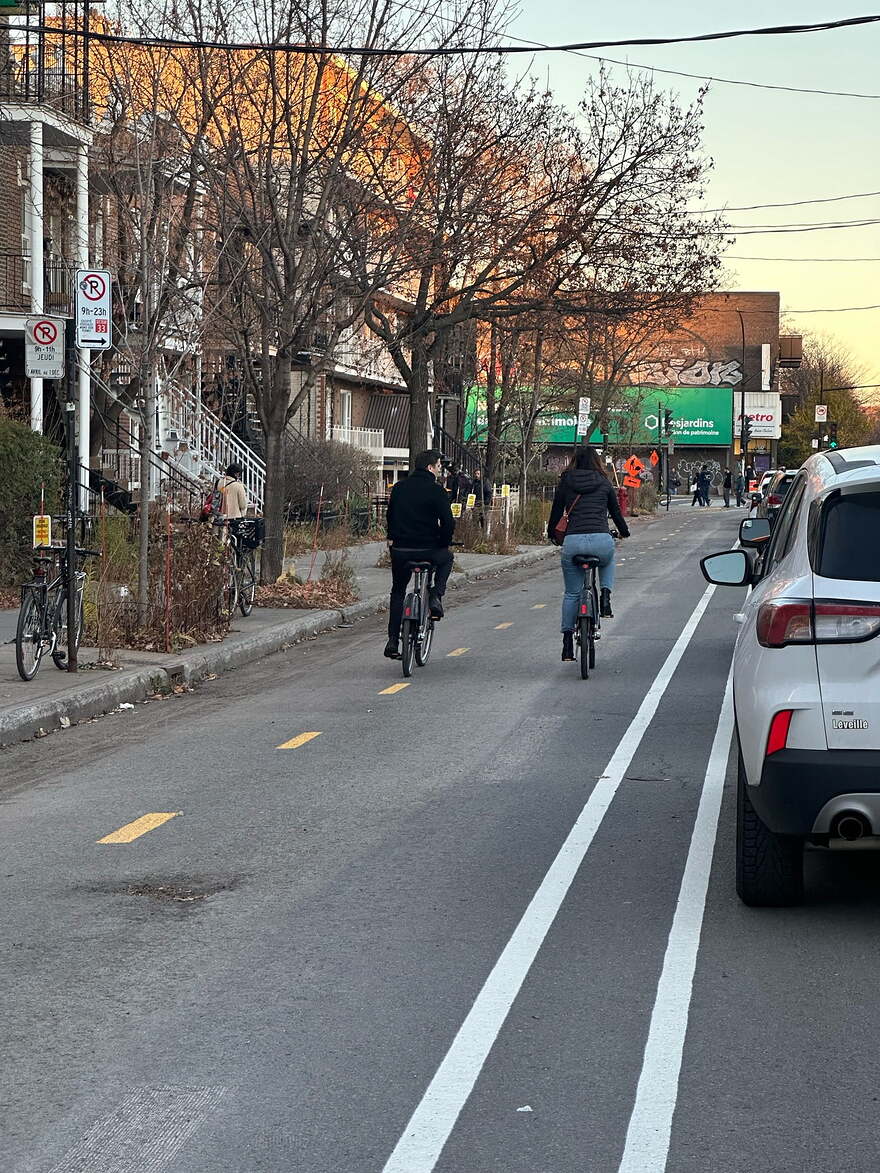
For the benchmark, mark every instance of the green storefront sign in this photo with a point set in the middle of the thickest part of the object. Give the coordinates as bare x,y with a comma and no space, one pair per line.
701,416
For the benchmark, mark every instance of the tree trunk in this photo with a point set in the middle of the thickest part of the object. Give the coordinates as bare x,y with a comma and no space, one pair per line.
272,559
418,401
147,491
491,455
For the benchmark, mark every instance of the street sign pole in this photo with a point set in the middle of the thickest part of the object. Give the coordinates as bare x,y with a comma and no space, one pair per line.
72,492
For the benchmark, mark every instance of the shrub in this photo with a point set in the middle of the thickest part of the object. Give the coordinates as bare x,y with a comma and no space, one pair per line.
531,521
325,470
27,461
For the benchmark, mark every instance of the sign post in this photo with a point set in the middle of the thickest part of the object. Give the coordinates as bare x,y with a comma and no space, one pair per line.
72,497
583,424
44,348
93,329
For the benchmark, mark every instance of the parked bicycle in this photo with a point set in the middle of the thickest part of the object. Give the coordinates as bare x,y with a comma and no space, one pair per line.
42,616
245,536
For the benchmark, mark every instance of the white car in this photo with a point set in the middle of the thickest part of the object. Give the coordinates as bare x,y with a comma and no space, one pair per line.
806,673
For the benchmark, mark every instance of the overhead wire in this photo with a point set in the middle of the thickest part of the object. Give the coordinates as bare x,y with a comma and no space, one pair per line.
452,50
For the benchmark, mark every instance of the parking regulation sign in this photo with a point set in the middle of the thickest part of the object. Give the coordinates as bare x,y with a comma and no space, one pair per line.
93,329
44,348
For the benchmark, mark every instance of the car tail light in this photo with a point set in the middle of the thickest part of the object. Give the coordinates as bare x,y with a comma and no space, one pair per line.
778,735
785,621
774,499
799,621
843,622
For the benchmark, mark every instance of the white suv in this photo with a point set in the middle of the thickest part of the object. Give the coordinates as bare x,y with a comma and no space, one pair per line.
807,673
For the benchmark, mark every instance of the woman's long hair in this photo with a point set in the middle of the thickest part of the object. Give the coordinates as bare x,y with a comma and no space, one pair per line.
585,456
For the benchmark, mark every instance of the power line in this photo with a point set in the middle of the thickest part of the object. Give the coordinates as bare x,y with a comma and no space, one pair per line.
811,260
457,50
863,195
840,309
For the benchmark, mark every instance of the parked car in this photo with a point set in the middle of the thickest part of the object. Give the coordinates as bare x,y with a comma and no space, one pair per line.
806,673
774,493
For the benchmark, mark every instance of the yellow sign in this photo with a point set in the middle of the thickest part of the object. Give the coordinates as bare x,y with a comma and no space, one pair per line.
505,490
456,509
471,500
42,530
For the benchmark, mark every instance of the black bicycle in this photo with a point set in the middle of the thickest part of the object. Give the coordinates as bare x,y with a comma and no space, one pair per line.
588,621
417,626
42,616
246,535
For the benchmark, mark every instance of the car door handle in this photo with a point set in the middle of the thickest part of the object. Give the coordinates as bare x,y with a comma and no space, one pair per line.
739,617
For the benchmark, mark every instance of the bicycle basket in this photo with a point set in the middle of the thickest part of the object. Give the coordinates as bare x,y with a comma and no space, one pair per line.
252,532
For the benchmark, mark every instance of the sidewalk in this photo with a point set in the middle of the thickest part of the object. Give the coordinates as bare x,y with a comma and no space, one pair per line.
53,699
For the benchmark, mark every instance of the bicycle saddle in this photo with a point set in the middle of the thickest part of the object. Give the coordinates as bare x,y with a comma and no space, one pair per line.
420,565
585,560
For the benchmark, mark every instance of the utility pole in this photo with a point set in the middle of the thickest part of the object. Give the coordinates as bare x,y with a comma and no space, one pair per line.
743,431
72,491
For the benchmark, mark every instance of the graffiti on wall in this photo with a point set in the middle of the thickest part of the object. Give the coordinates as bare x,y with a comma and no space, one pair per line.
682,372
688,469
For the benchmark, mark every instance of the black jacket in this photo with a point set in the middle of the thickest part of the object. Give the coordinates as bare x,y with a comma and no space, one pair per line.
419,514
598,498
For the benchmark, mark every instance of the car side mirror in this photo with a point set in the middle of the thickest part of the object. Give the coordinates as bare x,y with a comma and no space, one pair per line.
732,568
754,531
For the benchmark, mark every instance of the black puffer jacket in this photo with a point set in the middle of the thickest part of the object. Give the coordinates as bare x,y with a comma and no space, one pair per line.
598,498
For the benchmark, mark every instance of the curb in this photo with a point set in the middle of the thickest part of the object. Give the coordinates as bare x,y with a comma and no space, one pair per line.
136,684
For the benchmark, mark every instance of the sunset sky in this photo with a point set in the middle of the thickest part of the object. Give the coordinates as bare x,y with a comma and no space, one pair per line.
768,146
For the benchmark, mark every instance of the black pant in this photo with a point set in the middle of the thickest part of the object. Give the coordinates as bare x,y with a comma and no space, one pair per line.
442,559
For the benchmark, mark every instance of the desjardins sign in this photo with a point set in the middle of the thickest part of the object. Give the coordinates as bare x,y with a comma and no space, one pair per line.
701,416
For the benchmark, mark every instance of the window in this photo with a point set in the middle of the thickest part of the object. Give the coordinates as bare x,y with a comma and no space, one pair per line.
849,540
785,529
345,409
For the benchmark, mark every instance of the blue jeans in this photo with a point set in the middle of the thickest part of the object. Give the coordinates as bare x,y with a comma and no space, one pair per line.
600,546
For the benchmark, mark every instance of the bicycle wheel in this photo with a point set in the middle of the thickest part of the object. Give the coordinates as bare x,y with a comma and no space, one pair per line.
29,636
584,642
59,627
408,640
426,638
229,593
592,655
247,574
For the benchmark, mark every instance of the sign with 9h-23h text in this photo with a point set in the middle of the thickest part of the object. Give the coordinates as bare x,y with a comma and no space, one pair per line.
93,329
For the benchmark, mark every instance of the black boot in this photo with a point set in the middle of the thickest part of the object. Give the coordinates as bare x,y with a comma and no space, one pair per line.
392,649
605,611
567,645
435,605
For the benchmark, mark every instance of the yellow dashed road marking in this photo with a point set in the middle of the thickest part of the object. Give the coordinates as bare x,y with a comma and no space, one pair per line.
395,688
538,606
501,626
139,827
458,652
300,739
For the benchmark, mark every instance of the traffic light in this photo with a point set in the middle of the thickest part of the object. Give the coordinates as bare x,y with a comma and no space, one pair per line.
605,441
667,420
745,431
832,435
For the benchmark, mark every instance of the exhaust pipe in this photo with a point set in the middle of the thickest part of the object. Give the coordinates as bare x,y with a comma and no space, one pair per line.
851,826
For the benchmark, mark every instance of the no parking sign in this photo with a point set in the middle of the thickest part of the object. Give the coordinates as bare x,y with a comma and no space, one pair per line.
44,348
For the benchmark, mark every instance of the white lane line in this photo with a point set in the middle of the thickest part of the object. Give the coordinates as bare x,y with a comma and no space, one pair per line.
433,1120
650,1125
144,1133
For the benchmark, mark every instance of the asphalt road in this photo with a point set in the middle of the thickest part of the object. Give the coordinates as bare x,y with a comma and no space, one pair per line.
462,929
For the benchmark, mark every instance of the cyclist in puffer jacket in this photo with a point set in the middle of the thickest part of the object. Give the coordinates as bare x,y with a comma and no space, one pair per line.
586,492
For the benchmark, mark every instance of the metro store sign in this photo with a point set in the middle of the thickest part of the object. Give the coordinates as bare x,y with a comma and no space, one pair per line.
701,416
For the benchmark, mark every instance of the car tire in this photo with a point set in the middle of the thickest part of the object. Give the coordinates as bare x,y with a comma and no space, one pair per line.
769,867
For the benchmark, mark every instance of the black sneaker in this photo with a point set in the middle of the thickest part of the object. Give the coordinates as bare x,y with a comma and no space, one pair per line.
605,611
435,606
392,650
567,645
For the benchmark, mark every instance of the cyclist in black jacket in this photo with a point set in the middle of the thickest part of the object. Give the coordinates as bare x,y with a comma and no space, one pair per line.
420,526
585,491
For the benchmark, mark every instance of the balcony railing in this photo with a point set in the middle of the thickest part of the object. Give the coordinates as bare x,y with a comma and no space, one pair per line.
15,285
372,440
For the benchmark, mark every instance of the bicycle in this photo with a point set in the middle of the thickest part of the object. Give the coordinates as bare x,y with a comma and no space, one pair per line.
588,620
42,615
417,626
240,587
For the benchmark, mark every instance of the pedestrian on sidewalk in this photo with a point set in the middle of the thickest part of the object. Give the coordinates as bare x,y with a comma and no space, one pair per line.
704,485
726,486
420,527
740,484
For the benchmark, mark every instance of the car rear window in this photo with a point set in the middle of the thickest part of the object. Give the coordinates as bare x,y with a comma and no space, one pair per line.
849,546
